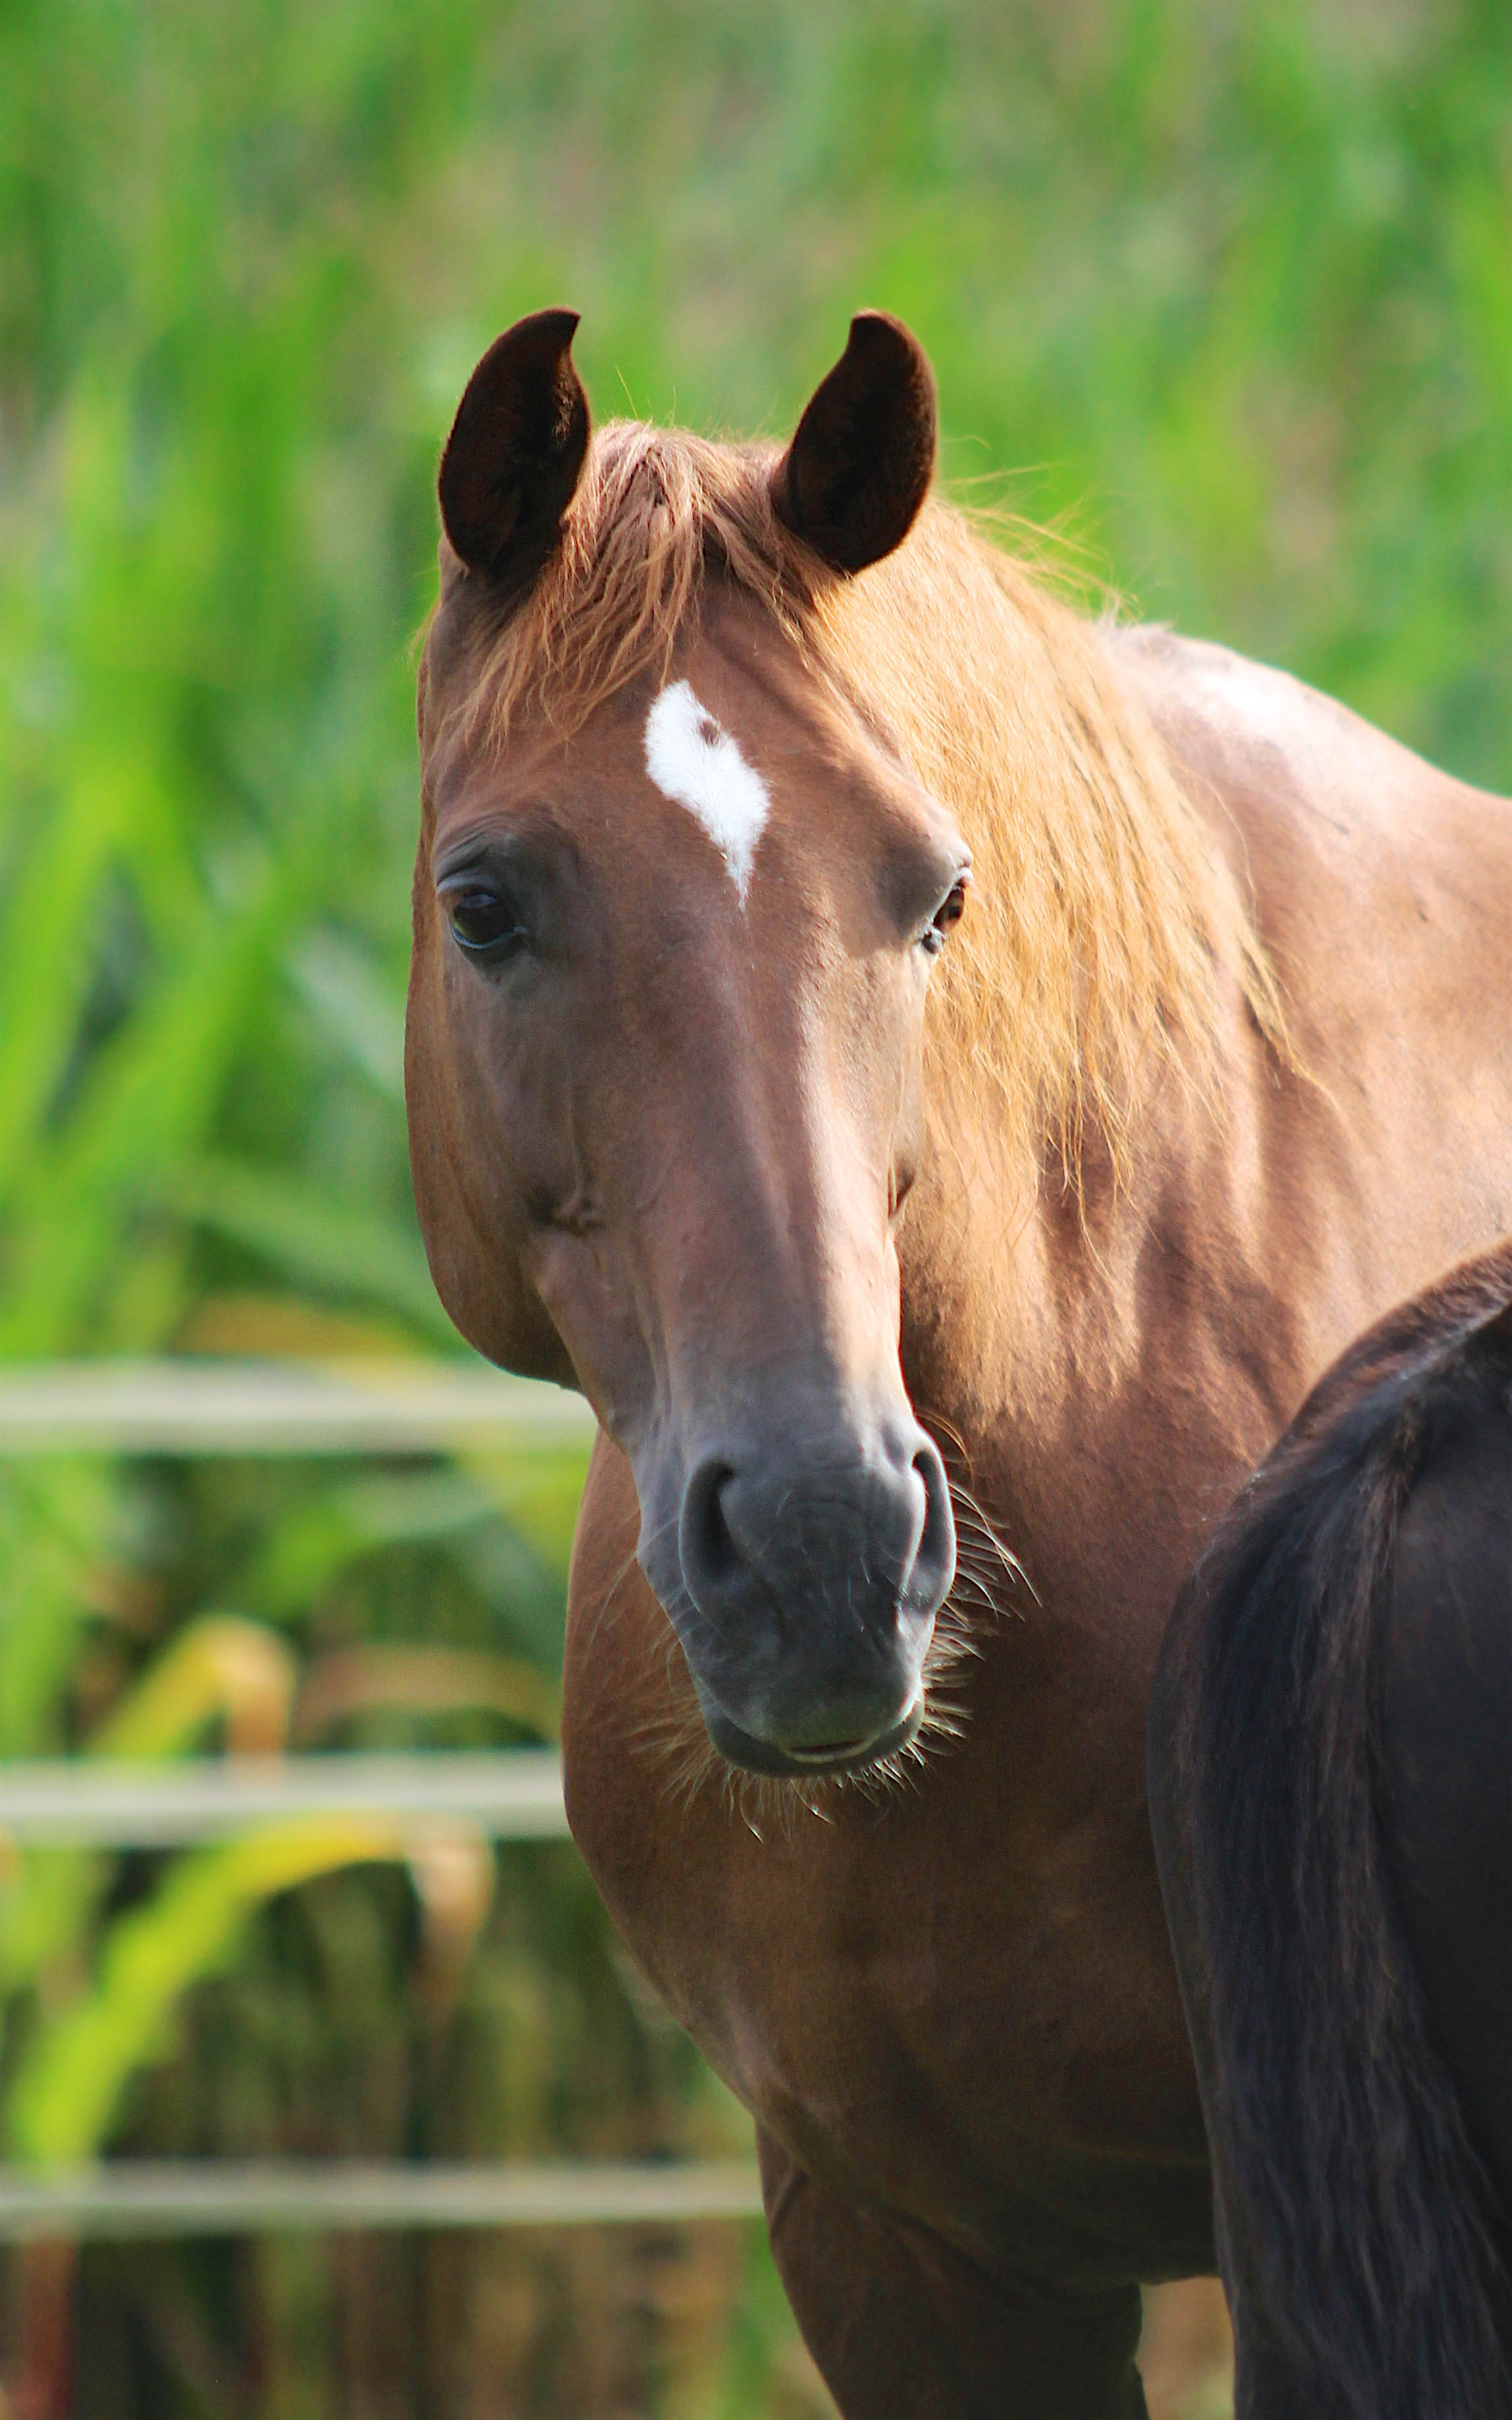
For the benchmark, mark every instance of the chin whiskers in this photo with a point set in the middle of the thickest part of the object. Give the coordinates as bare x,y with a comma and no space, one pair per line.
988,1577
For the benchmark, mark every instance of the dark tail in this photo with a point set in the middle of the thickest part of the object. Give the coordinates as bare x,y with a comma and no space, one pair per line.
1365,2215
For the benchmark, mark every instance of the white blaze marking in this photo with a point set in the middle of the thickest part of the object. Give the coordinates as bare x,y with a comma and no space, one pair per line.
699,766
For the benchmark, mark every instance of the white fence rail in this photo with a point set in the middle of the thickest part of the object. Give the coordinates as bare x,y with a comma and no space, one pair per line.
213,1407
123,2198
195,1408
512,1795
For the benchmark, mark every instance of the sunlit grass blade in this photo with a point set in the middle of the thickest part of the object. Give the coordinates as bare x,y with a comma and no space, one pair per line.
355,1684
65,2096
220,1668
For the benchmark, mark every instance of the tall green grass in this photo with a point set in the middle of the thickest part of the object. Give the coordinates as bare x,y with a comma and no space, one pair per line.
1225,294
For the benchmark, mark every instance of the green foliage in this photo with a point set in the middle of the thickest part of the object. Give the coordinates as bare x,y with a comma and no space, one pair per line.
1228,292
216,1666
64,2097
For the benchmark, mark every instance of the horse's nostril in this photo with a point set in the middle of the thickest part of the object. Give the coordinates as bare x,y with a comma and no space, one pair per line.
706,1541
934,1556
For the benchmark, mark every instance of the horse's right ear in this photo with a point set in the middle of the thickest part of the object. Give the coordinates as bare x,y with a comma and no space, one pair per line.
516,450
862,455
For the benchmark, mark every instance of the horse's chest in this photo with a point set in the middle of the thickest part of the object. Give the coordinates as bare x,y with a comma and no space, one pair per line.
925,2000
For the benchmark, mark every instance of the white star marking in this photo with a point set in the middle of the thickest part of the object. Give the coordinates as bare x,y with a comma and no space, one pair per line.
700,767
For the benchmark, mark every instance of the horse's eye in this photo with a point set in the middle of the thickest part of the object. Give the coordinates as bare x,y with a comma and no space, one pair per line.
486,924
949,911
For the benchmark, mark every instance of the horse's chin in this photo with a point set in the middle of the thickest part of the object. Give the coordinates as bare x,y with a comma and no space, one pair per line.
753,1754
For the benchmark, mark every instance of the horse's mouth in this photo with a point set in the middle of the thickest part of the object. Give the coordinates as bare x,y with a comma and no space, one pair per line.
835,1758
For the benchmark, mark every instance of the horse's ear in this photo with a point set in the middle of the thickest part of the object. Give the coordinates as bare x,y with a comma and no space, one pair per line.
859,464
516,449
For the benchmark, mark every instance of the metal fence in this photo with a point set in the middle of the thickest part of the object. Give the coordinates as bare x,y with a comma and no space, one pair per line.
201,1409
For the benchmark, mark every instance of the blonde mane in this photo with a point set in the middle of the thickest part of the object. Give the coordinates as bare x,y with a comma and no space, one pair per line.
1101,922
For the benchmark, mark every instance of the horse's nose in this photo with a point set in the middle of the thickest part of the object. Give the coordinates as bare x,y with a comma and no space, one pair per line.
816,1574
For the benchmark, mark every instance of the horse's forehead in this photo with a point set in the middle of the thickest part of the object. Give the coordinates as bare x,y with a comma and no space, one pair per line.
739,737
698,764
707,738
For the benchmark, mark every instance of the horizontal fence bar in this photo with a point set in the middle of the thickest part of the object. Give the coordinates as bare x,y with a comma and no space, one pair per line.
221,1407
123,2198
512,1795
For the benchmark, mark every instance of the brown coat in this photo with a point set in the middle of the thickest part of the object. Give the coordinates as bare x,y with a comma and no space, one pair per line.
700,1155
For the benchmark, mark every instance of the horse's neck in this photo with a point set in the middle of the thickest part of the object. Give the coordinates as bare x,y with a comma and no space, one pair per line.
998,1267
1029,1301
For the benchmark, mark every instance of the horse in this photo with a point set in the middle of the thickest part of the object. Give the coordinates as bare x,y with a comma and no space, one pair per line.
1332,1796
943,1073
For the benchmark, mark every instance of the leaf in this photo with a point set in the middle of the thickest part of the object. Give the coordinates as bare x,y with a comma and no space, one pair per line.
65,2093
335,1247
419,1681
355,1005
53,1518
285,1327
538,1495
220,1664
149,1096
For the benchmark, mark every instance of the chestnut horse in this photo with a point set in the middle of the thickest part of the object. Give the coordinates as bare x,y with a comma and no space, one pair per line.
1331,1773
943,1077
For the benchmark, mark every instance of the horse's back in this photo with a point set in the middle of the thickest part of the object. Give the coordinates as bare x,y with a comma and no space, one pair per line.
1446,1738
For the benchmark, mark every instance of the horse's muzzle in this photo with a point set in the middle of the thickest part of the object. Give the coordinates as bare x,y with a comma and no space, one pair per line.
809,1578
755,1755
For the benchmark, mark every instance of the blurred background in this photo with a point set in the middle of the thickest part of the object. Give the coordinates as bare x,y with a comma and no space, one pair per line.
1223,294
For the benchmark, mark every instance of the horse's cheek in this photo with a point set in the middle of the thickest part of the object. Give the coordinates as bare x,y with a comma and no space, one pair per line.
466,1189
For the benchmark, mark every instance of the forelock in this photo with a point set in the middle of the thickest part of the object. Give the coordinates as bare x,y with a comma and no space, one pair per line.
655,509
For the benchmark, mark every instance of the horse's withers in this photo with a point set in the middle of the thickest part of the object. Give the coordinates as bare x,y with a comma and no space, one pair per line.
665,1090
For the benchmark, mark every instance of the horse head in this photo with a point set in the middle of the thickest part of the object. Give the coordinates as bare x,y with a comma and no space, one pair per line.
677,904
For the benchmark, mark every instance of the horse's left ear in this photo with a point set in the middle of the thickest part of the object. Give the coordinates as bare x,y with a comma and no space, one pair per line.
859,465
516,450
